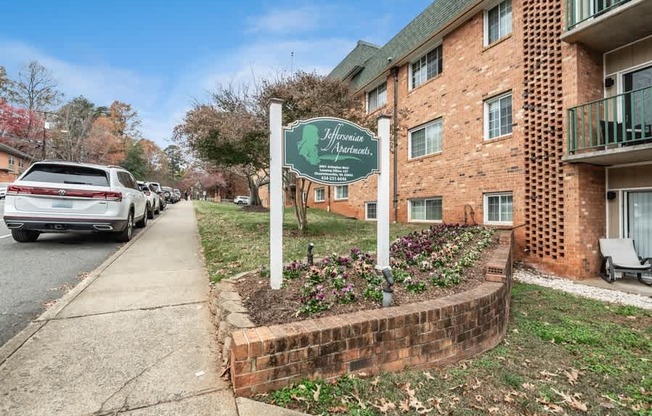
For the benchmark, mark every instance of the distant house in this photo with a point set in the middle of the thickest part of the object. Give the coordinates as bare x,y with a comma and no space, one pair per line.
13,162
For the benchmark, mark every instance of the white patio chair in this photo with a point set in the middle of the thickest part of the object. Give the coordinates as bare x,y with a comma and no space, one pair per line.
620,256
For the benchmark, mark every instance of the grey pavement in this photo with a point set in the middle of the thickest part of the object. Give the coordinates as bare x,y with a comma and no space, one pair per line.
135,338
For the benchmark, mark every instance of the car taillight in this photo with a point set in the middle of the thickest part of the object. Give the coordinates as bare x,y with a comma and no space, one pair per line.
15,190
109,196
74,193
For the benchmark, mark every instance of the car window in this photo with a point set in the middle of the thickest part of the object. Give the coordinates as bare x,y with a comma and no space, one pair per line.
67,174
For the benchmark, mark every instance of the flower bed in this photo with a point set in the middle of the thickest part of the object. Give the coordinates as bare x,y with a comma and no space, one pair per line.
431,258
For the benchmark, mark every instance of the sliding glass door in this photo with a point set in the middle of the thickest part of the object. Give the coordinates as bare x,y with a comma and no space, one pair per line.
639,221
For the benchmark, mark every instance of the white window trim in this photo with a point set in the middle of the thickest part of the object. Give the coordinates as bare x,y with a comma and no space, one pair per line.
410,83
409,206
376,89
424,126
485,207
486,115
347,192
323,195
366,211
485,19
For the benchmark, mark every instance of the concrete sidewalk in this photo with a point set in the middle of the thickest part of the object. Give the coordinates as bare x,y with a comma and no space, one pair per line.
135,338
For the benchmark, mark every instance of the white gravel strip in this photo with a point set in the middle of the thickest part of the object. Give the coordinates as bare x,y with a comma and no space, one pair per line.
569,286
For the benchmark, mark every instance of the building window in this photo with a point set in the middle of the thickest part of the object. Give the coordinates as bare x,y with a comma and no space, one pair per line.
498,116
342,192
12,161
370,211
319,195
498,208
428,66
425,209
498,22
425,140
21,163
377,97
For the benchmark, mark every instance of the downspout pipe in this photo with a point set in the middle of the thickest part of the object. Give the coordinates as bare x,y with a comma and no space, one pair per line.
394,72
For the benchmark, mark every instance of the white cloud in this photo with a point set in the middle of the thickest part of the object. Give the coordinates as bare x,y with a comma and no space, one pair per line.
162,100
284,21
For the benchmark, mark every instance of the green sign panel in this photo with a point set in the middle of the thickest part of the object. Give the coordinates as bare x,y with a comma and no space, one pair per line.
330,151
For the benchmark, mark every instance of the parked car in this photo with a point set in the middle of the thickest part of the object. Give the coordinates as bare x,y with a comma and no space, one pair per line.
56,197
177,193
169,195
158,190
3,189
241,200
153,200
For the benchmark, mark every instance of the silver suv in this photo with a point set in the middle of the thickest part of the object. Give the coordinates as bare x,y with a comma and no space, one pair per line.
55,197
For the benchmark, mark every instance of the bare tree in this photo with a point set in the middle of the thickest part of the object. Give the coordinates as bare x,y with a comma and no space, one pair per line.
74,122
35,90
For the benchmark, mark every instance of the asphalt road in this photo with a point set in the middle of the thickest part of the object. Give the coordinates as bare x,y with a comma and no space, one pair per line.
32,275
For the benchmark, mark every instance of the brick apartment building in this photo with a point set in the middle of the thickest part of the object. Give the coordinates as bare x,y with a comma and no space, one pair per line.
534,115
13,162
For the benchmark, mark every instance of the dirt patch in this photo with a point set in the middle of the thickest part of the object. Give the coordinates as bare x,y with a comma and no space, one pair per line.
268,307
254,208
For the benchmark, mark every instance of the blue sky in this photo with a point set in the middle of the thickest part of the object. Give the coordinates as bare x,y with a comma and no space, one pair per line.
162,55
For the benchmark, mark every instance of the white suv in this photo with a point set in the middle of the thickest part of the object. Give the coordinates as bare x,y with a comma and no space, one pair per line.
55,197
242,200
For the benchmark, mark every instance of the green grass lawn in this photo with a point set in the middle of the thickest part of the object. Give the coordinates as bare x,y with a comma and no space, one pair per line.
562,354
235,241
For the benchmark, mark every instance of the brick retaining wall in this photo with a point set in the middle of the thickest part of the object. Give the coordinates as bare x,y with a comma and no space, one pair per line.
418,335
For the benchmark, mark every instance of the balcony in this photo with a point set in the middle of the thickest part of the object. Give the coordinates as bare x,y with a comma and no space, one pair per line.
603,25
612,131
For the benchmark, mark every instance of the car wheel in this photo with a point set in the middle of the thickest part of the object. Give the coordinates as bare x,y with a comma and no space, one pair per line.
143,222
150,212
25,236
126,234
157,209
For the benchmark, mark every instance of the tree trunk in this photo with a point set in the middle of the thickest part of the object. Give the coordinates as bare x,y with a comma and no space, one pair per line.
253,191
300,205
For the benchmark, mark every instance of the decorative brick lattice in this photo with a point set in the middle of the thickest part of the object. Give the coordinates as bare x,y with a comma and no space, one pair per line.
544,134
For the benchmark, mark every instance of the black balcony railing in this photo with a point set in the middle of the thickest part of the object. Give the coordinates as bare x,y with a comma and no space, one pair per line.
578,11
621,120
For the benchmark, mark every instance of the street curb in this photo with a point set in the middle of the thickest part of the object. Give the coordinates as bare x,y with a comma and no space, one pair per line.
18,340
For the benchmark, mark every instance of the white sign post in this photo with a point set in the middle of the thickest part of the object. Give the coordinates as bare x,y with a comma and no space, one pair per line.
276,193
382,202
330,151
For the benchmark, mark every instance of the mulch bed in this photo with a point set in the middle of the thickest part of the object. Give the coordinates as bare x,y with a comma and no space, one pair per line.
268,307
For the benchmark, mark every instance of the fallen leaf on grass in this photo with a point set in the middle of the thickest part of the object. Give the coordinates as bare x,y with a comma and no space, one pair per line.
297,398
338,409
404,406
528,386
428,376
546,373
315,395
384,406
415,403
572,401
572,376
376,381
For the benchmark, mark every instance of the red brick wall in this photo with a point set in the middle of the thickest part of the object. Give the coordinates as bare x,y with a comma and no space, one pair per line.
418,335
468,165
557,211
